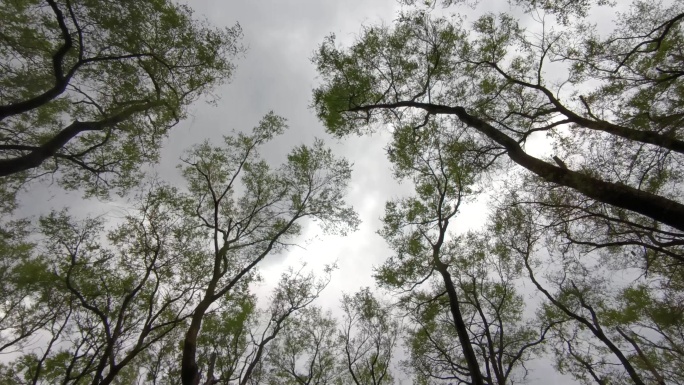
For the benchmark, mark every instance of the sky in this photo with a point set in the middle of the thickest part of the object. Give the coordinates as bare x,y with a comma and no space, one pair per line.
276,74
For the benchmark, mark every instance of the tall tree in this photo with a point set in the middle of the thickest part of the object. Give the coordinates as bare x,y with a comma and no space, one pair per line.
264,219
504,339
22,315
112,303
466,317
616,300
237,338
598,222
89,89
308,352
318,349
417,227
102,297
615,112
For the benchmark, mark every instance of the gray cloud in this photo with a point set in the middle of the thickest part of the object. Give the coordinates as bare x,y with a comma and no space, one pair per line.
276,74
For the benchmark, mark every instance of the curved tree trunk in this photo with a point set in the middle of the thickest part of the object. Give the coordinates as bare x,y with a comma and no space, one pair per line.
661,209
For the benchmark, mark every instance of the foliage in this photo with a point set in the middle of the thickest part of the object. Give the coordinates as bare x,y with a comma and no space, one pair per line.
165,294
89,97
106,302
112,303
595,223
307,352
459,292
620,140
368,335
263,219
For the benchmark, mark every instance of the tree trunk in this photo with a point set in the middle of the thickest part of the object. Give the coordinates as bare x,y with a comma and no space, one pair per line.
460,325
661,209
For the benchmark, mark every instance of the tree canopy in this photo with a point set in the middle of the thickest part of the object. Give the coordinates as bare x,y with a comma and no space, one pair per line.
118,303
600,214
493,79
569,130
88,90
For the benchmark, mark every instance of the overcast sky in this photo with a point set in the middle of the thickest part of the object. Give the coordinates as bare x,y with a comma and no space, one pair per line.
276,74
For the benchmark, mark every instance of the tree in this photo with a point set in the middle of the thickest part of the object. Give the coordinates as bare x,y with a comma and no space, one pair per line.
101,304
620,98
263,220
318,349
466,317
20,318
368,336
416,227
89,97
503,338
308,351
294,293
112,303
237,337
601,216
616,303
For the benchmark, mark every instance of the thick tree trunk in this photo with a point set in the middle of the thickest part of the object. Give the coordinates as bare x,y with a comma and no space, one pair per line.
189,369
663,210
653,206
61,80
